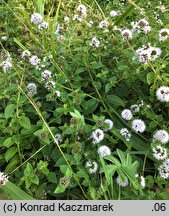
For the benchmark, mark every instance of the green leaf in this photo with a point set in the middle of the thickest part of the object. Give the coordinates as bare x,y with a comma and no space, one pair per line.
24,122
8,142
14,192
10,153
115,100
52,177
59,190
150,78
9,111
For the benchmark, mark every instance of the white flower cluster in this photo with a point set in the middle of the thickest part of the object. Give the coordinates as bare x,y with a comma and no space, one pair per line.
34,60
37,19
141,180
97,136
92,166
148,53
138,125
45,75
103,24
126,34
163,34
95,42
141,26
161,136
58,32
159,152
81,13
25,53
122,183
125,133
6,64
3,179
58,138
162,94
114,13
32,88
164,169
135,108
109,125
50,85
127,114
104,151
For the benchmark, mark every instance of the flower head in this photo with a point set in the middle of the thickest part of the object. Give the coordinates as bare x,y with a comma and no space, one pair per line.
36,18
163,34
161,136
159,152
97,135
45,75
104,150
34,60
126,114
32,88
138,125
162,94
3,179
124,183
92,166
109,124
95,42
125,133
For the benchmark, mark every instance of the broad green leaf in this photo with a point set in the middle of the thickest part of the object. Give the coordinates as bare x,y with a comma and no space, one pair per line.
115,100
9,111
59,190
10,153
8,142
24,122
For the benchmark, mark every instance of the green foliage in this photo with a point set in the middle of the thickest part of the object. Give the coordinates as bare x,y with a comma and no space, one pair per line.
49,137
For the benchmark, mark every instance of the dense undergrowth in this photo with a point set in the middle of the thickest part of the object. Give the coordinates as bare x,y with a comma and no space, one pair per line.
84,99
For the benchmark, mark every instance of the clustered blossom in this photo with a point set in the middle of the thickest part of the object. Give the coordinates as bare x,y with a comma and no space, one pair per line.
32,88
6,64
43,25
25,53
45,75
58,138
109,124
126,34
92,166
122,183
97,136
141,180
81,13
37,19
161,136
138,125
103,24
125,133
50,84
164,169
163,34
126,114
141,26
114,13
104,151
95,42
159,152
135,108
3,179
148,53
34,60
162,94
